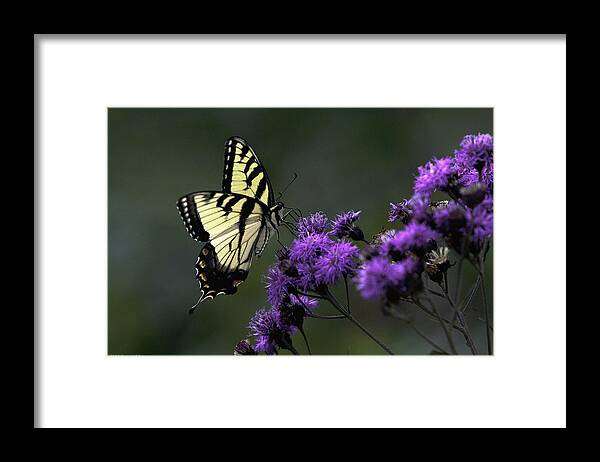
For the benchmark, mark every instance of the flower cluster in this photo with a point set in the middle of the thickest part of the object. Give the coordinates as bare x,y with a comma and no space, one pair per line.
321,255
393,266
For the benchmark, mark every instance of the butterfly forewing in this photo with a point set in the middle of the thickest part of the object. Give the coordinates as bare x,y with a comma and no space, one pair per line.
243,172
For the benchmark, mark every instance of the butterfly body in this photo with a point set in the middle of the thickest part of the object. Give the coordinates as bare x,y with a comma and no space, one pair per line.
234,224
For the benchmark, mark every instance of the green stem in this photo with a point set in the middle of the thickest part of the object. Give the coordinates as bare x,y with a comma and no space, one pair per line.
459,268
305,341
466,302
288,346
434,318
352,319
391,312
461,319
347,296
427,339
443,324
317,316
488,334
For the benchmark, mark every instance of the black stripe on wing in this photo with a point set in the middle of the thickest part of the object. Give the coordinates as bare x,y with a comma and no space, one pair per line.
189,214
243,173
213,281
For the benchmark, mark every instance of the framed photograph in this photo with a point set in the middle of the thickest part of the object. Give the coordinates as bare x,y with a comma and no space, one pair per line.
377,241
330,208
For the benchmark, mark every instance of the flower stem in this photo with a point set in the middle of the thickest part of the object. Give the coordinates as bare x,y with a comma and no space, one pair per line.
317,316
459,271
464,304
352,319
305,340
427,339
461,320
443,324
390,312
347,296
488,334
288,346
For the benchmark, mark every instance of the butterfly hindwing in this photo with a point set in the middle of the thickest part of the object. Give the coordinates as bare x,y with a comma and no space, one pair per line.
213,281
233,226
243,172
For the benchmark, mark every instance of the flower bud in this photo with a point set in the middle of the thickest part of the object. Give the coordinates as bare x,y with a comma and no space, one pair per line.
437,264
474,194
356,233
243,348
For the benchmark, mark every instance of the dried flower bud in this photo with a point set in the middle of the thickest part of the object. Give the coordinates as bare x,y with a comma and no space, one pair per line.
437,264
473,194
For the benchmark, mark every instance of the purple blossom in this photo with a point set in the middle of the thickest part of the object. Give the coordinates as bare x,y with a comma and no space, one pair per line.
399,211
343,225
290,317
379,279
340,259
414,237
306,302
475,150
407,210
373,278
434,176
449,219
473,161
269,335
317,223
470,176
480,220
308,248
244,348
419,205
307,279
278,285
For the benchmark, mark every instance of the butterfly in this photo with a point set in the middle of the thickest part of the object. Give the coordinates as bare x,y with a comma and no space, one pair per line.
235,223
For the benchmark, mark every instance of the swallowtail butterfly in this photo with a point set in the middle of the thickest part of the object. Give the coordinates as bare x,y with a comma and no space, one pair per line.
234,224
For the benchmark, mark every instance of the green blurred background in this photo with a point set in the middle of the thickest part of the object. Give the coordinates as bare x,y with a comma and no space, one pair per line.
359,159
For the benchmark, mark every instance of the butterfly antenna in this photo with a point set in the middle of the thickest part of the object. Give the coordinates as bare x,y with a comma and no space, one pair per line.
288,185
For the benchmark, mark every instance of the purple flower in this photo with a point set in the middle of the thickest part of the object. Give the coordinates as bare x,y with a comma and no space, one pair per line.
268,333
399,211
278,285
306,302
373,278
308,248
473,194
419,205
474,161
449,219
470,176
414,208
317,223
480,221
343,226
379,279
290,317
307,279
415,237
475,150
244,348
434,175
338,260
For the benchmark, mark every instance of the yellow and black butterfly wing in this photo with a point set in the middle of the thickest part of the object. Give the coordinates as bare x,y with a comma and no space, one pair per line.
234,228
243,172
